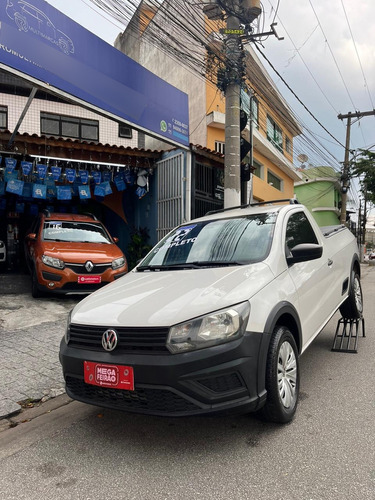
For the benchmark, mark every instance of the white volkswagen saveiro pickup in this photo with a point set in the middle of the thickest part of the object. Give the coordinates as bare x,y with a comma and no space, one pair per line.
215,317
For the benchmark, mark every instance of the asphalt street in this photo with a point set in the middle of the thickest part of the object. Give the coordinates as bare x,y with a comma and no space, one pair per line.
68,450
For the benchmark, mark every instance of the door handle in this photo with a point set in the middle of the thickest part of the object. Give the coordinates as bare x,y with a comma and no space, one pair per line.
330,262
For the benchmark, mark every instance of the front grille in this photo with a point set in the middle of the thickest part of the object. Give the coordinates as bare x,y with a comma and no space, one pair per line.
142,340
80,268
142,400
222,383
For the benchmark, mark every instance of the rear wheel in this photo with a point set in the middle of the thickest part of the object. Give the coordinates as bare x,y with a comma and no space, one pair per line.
352,308
282,377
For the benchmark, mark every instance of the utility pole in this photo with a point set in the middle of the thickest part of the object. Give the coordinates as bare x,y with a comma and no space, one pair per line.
346,167
232,162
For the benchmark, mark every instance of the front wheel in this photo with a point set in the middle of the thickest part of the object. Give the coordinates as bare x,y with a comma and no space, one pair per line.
282,377
352,308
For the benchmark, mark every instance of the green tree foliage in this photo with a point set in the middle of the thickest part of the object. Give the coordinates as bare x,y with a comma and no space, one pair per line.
364,168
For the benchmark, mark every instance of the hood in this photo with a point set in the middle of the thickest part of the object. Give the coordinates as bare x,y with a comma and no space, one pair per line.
165,298
81,252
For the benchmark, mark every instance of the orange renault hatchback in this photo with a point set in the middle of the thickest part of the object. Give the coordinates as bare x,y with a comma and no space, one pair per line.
69,253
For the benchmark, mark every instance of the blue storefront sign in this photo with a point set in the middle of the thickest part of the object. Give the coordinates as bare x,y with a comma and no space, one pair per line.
41,42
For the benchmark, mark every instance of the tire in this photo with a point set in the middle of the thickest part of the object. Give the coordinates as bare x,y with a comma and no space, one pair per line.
34,285
282,377
352,308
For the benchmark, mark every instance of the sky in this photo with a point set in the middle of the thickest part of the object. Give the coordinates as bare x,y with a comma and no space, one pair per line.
327,57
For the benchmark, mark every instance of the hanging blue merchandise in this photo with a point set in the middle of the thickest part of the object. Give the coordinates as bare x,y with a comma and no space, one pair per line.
84,192
97,176
107,188
40,191
27,190
129,177
70,174
56,172
15,186
106,176
3,204
10,164
2,188
8,176
51,189
119,182
64,193
41,171
99,191
84,175
140,192
27,167
20,208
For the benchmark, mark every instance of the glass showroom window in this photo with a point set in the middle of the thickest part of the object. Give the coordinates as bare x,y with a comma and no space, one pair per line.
69,126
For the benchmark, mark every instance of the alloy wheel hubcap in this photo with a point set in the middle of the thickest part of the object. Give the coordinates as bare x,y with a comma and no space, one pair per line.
287,375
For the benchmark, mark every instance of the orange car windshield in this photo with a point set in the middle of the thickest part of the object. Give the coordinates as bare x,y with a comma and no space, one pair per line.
78,232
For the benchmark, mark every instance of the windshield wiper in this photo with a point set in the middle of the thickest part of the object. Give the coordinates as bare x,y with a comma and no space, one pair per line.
189,265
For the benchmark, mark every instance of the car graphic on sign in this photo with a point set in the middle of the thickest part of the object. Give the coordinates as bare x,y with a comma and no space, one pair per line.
29,18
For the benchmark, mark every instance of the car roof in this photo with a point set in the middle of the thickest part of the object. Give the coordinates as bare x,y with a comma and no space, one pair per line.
70,217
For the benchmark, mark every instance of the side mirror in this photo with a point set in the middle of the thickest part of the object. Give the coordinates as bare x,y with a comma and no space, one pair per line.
116,240
304,252
31,236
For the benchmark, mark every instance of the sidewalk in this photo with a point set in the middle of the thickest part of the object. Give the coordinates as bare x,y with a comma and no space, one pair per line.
30,335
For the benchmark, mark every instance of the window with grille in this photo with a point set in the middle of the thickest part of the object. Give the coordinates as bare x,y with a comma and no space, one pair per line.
258,169
220,147
274,133
125,131
3,117
274,181
69,126
255,111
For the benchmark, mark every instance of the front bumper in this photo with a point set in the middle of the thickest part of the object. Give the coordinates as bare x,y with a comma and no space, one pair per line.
65,281
215,380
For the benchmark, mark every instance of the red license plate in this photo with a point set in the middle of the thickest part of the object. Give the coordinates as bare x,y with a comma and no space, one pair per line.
89,279
113,376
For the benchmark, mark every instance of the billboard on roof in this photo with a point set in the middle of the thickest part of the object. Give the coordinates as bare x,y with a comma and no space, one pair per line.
39,42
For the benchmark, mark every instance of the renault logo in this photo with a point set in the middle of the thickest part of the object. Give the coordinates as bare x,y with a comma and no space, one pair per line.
109,340
89,266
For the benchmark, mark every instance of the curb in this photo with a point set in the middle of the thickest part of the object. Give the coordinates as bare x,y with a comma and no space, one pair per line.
26,413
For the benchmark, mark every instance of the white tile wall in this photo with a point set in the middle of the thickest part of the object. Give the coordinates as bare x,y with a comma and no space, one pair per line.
108,129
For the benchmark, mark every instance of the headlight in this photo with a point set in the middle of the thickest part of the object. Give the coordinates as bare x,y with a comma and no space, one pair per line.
67,329
118,263
53,262
213,329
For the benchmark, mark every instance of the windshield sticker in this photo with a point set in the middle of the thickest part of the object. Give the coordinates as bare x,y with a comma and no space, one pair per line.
53,225
179,237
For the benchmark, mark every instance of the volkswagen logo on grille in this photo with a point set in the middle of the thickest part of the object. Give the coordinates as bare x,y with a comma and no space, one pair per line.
89,266
109,340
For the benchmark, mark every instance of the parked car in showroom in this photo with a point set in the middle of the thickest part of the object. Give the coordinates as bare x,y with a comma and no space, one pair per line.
214,319
70,253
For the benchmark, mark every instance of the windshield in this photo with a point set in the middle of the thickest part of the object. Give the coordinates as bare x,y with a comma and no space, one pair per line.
212,243
79,232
